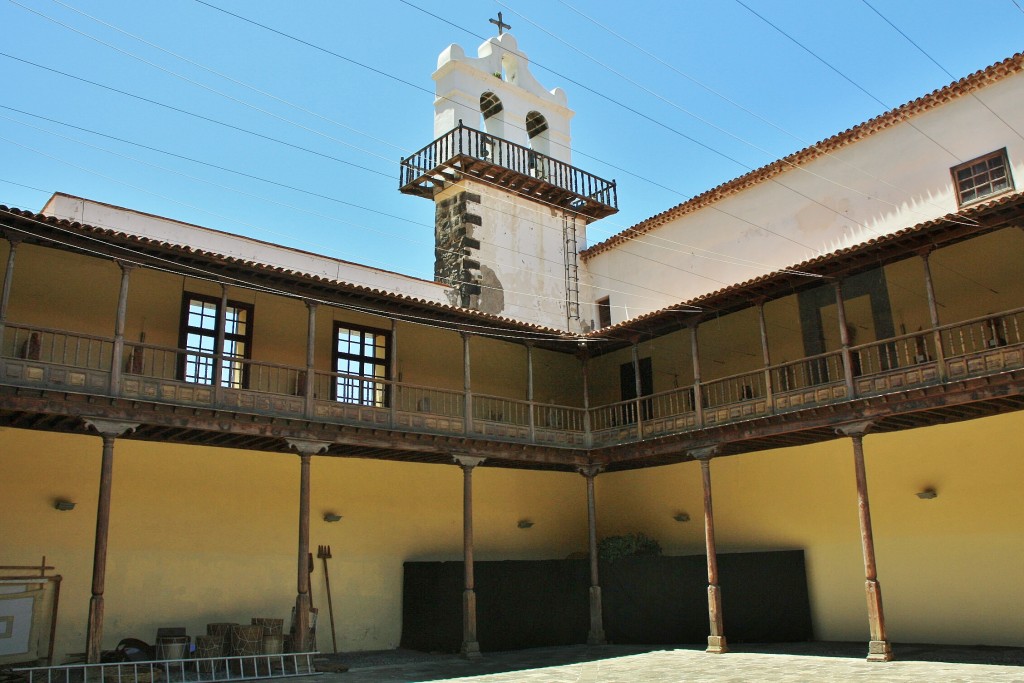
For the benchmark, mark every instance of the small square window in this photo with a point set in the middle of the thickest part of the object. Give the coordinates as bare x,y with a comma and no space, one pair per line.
982,177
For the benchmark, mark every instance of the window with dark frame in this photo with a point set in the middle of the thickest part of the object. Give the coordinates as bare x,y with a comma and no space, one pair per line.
201,323
604,313
362,365
982,177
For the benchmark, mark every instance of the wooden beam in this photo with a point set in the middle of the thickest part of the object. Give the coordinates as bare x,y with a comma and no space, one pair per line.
716,639
596,635
303,602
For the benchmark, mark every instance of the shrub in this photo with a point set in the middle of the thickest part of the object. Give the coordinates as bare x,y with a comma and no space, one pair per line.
612,548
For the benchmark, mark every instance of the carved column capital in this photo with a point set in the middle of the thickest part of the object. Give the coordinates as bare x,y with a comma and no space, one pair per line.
855,428
308,446
107,427
467,461
590,471
705,453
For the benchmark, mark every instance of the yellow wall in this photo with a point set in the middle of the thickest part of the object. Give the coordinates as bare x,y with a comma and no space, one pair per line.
204,534
950,567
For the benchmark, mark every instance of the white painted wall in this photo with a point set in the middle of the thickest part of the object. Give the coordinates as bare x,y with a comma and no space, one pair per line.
522,255
460,80
889,180
167,230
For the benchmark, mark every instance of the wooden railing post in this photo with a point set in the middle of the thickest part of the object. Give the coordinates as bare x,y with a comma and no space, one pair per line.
529,390
769,389
109,430
698,401
933,312
392,388
844,337
5,293
309,390
638,388
588,423
218,360
879,649
467,385
117,355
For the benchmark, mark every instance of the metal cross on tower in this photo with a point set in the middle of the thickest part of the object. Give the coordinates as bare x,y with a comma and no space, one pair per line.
499,23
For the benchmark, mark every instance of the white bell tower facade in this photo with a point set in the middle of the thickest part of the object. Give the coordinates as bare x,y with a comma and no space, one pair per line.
510,209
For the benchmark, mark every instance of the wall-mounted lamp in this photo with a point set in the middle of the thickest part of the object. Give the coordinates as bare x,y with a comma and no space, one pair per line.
681,517
927,494
524,524
332,517
63,505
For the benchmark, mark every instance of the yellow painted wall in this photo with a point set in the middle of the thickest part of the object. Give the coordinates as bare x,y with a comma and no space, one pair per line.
204,534
950,568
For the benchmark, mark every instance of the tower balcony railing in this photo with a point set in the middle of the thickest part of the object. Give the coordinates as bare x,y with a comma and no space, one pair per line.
65,361
465,151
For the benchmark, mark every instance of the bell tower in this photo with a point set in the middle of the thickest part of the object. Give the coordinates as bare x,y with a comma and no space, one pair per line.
510,209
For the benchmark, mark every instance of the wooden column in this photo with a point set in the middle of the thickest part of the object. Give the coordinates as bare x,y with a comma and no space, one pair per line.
637,387
300,639
844,338
584,356
698,402
309,390
933,312
117,359
767,356
716,640
467,385
529,391
879,649
218,361
5,293
596,635
392,392
470,645
108,430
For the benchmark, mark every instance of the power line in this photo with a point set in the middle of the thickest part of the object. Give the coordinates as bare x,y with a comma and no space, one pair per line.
841,74
944,69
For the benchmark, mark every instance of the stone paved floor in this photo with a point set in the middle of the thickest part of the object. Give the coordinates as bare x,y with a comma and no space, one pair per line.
631,664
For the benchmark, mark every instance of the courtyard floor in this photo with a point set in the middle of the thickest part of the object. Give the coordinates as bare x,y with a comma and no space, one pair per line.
661,664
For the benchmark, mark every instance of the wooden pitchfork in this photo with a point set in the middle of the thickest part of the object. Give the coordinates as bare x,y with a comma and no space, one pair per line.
324,552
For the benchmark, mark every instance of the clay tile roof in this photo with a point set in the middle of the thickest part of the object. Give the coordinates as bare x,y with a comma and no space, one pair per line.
964,86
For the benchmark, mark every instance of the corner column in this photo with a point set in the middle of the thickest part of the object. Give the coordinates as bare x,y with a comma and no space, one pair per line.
638,388
108,431
117,356
933,312
306,448
716,640
470,645
596,635
879,649
529,391
767,356
5,294
308,390
467,384
698,401
844,338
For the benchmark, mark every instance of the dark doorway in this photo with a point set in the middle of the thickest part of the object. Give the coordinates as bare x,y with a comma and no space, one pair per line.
627,384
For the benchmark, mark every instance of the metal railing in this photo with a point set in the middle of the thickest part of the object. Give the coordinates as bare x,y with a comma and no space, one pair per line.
191,670
463,141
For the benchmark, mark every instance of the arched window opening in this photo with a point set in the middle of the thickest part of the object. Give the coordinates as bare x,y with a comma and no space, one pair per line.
540,142
492,114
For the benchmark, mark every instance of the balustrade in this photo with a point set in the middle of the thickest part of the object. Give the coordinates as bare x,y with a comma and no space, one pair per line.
46,357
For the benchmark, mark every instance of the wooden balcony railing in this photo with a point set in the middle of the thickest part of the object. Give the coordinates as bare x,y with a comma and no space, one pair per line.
470,152
50,358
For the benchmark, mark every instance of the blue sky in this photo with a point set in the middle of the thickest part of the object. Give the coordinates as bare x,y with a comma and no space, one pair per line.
306,152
